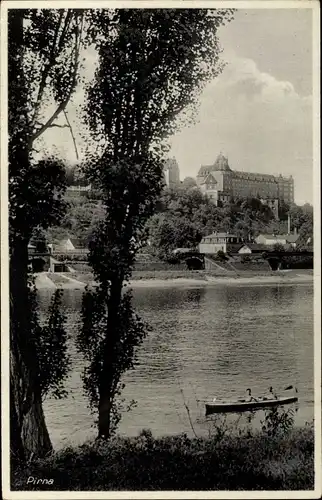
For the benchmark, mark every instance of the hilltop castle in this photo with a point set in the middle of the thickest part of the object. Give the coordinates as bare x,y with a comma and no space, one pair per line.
221,183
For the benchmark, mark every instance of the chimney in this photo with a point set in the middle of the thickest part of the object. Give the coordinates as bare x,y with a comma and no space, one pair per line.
289,224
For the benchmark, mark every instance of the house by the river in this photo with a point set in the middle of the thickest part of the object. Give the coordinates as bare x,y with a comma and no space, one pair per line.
280,239
224,242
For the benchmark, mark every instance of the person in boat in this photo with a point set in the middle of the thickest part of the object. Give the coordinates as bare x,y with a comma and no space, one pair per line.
249,396
272,394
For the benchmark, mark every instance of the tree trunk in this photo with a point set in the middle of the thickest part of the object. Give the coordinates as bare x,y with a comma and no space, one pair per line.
108,372
28,431
104,415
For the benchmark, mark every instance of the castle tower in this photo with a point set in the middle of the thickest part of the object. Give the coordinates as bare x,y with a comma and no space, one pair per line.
221,164
172,173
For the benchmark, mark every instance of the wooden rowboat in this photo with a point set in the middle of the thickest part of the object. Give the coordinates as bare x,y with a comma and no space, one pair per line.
239,406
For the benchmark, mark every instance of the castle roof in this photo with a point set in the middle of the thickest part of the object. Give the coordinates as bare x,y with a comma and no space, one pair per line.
204,170
220,165
209,179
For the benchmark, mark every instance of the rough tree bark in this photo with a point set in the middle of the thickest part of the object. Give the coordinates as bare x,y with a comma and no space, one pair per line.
28,429
28,432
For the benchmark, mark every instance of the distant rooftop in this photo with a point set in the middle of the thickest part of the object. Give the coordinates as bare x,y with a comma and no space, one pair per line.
209,179
255,246
221,235
252,175
221,165
182,250
291,238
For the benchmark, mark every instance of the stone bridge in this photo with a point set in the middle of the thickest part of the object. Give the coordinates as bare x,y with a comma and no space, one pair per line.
283,260
43,261
193,260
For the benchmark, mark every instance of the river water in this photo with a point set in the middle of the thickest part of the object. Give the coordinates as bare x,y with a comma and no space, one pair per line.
207,341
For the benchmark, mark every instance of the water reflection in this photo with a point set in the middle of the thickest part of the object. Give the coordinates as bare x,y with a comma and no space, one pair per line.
166,298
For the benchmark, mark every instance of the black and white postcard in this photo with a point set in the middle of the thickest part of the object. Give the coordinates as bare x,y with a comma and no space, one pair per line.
160,249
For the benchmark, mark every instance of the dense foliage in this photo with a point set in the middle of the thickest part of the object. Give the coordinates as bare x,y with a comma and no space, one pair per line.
130,332
79,221
50,340
270,461
185,215
302,219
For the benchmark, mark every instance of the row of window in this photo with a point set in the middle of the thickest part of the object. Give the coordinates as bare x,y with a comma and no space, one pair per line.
247,181
221,240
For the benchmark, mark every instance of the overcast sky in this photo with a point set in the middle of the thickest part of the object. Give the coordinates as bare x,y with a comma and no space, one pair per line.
258,112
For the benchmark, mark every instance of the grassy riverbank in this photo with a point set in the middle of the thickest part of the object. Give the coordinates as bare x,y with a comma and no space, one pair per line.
256,462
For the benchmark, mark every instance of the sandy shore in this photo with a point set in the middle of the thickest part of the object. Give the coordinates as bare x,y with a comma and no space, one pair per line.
158,283
210,281
43,281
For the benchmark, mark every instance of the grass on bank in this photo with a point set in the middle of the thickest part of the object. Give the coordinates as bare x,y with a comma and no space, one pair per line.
255,462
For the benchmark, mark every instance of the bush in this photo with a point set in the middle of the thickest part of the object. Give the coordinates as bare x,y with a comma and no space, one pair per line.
226,462
279,248
220,255
278,421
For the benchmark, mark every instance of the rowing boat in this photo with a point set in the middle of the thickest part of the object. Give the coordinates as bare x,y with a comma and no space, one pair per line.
242,405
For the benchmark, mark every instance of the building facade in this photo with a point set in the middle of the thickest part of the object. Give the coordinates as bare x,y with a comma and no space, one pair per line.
171,173
223,242
281,239
221,184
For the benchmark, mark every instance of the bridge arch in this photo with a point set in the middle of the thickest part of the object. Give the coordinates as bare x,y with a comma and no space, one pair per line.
195,263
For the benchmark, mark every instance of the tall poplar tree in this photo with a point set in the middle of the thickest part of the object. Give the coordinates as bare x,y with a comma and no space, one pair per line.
153,64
